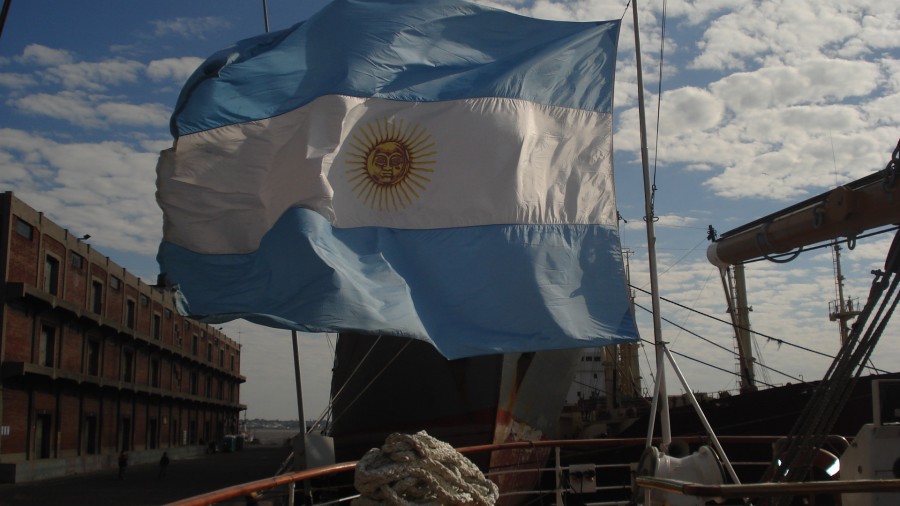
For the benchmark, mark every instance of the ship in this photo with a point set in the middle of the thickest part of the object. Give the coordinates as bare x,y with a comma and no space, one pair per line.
854,210
382,385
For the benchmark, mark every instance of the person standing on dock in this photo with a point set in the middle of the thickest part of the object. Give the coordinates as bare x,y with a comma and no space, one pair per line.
123,463
163,464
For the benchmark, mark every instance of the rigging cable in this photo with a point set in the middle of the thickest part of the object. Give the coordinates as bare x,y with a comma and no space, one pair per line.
335,417
627,5
700,292
760,362
662,47
676,262
732,352
682,355
768,337
330,408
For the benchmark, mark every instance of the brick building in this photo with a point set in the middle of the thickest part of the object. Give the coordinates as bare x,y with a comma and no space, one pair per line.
93,360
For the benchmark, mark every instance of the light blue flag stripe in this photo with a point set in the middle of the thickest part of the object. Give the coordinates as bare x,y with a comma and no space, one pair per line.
410,50
469,291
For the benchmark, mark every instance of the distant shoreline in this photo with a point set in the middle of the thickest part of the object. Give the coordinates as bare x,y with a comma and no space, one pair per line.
272,437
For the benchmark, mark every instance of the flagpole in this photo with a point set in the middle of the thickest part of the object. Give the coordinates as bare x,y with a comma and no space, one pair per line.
300,440
299,459
651,250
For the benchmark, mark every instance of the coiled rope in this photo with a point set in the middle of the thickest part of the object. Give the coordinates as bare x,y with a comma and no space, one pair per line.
421,470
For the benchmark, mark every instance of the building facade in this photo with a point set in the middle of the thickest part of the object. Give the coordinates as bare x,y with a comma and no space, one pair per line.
93,360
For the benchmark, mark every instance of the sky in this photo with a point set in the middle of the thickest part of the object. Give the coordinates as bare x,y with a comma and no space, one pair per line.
760,104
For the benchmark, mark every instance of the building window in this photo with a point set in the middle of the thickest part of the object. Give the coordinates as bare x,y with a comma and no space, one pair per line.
177,335
154,372
209,392
145,301
194,385
43,434
90,434
24,228
195,345
129,314
232,362
209,353
97,297
221,358
47,349
77,261
157,325
168,314
174,434
128,366
125,434
92,360
152,433
51,275
115,283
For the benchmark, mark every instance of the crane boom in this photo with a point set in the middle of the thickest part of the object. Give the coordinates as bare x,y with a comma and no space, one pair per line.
846,211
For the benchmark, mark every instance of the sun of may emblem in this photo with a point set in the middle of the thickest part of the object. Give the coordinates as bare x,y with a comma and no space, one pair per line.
390,161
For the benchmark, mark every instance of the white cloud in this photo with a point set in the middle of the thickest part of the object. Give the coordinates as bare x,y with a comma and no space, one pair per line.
189,27
16,81
175,69
36,54
68,106
94,111
891,69
119,113
156,145
883,110
94,76
811,82
779,31
698,11
574,10
879,28
689,109
105,189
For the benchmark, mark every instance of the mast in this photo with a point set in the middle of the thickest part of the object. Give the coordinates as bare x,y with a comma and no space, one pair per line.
661,394
629,365
841,310
621,367
741,318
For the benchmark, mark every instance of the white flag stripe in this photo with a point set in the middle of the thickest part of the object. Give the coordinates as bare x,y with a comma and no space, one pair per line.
471,162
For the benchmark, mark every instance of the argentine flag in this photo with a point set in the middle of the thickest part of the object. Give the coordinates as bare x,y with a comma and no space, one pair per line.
434,169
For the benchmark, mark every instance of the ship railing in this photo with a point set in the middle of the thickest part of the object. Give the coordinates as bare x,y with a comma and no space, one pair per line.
805,488
285,485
